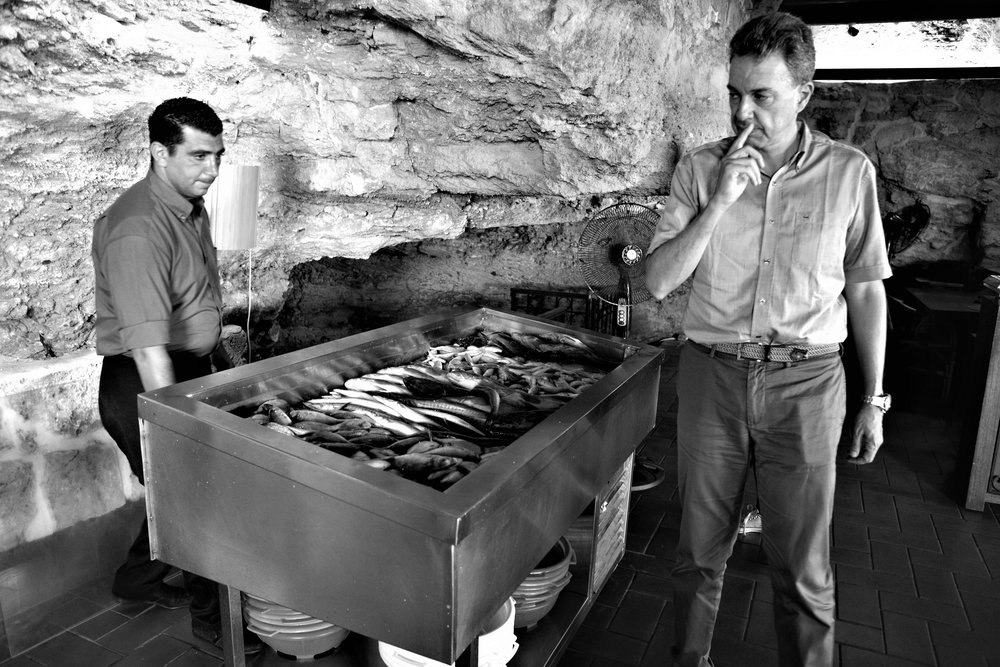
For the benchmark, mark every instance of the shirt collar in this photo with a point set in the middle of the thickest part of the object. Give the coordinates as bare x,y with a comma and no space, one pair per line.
805,143
183,207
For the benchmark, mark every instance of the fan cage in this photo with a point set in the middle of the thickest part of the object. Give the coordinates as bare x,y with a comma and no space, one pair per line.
605,235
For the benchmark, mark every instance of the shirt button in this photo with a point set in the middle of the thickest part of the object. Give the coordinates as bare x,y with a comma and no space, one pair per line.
766,262
771,221
763,300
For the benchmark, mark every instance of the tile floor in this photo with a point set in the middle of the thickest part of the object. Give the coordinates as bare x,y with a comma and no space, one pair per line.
918,577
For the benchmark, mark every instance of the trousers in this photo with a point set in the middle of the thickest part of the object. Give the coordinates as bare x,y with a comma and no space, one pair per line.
118,407
784,419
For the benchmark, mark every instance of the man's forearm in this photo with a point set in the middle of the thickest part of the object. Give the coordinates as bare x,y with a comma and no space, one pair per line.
672,263
867,310
155,368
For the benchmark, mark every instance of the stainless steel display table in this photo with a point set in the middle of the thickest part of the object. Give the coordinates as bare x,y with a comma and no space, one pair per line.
380,555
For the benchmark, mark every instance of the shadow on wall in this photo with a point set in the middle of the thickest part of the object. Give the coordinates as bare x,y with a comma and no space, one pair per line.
335,297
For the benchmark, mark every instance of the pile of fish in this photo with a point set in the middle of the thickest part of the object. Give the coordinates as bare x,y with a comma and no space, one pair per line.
437,420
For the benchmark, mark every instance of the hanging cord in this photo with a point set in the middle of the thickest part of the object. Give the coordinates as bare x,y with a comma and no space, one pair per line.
249,292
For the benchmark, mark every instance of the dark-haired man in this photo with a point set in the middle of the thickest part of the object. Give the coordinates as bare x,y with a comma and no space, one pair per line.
159,317
781,230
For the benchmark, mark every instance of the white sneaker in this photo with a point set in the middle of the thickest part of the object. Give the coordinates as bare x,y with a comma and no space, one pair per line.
751,521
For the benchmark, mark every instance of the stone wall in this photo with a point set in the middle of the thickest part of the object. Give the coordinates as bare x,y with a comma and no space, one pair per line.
57,465
936,142
375,123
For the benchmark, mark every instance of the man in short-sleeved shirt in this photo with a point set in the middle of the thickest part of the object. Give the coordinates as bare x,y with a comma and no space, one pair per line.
159,318
781,231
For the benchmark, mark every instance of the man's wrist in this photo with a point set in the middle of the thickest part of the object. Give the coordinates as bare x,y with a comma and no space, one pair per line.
880,401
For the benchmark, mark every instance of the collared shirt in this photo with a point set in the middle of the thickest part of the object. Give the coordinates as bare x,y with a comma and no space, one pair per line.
156,276
775,267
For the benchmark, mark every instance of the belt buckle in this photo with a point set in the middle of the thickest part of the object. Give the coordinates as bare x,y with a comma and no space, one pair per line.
798,354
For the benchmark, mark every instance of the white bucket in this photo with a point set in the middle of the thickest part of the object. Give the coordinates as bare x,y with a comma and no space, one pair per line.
497,644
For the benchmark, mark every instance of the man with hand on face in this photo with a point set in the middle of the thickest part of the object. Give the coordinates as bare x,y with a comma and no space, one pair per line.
781,230
159,317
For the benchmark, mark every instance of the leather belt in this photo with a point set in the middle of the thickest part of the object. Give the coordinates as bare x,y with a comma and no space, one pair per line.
758,352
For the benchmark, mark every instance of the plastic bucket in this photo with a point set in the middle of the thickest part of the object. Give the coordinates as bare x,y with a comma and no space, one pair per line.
497,644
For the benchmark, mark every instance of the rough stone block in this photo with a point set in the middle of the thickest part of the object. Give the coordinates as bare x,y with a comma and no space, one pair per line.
17,501
82,484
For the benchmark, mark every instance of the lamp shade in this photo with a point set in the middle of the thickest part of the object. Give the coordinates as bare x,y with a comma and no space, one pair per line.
231,203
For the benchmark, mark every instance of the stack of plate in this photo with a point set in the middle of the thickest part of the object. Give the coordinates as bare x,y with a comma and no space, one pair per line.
537,594
288,631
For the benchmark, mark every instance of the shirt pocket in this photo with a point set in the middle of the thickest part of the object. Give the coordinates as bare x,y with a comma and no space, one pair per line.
809,239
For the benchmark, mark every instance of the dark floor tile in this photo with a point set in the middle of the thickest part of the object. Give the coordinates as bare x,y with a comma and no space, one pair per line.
616,586
907,637
935,584
955,656
160,650
647,564
658,648
608,662
984,643
74,611
859,559
927,610
737,596
913,521
141,629
69,650
600,616
100,625
852,536
195,658
851,656
760,627
730,653
638,615
607,644
891,558
925,542
869,578
861,636
858,604
652,585
943,561
573,658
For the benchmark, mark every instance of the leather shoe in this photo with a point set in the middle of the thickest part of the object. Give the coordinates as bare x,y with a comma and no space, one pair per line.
252,645
164,595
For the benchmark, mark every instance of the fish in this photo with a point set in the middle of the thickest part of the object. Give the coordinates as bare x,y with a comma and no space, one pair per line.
450,450
378,464
375,387
329,410
423,462
279,416
280,428
448,418
445,405
393,425
375,439
273,402
312,416
328,436
422,447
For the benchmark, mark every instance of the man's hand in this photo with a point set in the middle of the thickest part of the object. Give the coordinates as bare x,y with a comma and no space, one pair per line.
867,437
741,165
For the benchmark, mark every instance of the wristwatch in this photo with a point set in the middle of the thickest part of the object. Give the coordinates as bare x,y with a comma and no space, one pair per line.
882,401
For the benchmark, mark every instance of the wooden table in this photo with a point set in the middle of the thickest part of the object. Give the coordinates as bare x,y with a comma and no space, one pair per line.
946,300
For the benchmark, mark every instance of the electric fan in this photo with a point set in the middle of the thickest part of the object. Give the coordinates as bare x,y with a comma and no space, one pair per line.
903,228
612,253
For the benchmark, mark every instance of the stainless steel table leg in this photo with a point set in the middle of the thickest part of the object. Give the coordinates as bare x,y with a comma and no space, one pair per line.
232,626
